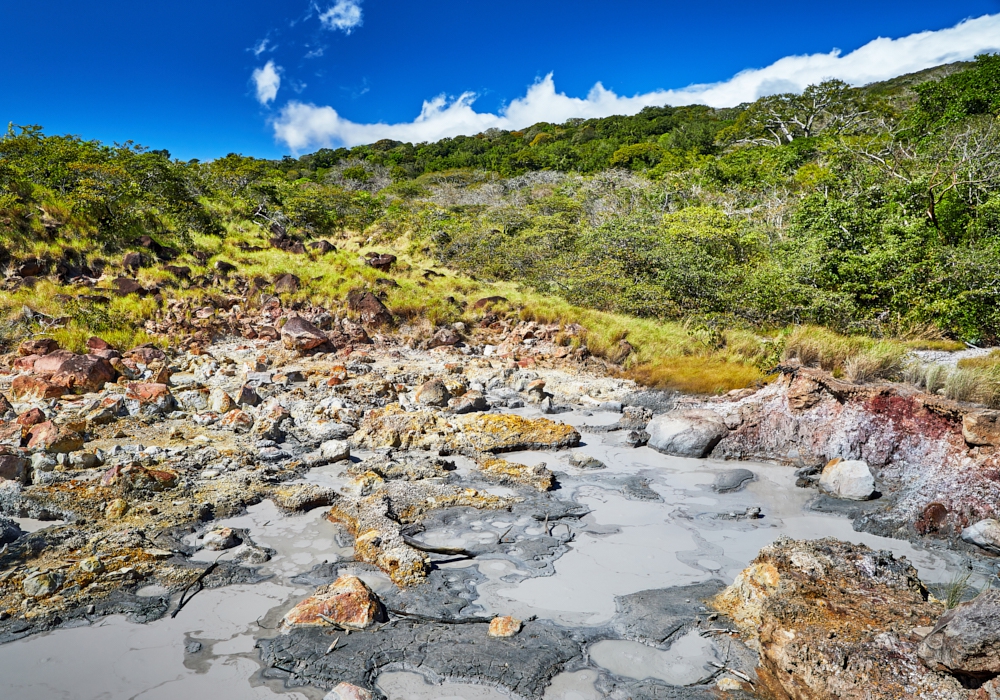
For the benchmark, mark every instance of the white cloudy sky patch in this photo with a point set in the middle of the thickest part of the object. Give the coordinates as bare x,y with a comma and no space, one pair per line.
343,16
301,126
267,81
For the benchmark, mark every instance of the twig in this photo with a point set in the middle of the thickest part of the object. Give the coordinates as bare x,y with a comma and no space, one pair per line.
197,582
455,551
332,646
442,620
500,539
561,516
717,630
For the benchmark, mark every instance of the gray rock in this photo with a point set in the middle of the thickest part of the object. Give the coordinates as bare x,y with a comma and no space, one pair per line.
689,433
220,539
732,480
40,585
985,534
583,461
966,640
324,430
9,531
851,480
469,402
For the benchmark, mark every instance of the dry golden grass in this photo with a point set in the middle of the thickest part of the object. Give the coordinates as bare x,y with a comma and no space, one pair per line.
696,375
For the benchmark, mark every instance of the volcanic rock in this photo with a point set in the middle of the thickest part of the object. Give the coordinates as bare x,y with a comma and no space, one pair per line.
965,642
299,334
50,437
348,602
984,534
732,480
981,427
37,346
369,308
432,393
850,479
689,433
504,627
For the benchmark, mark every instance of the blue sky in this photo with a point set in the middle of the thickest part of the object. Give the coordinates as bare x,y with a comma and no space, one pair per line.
180,75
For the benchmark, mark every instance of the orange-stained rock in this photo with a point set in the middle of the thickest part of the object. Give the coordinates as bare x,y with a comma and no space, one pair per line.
504,626
346,691
237,421
53,438
82,373
30,418
140,477
347,601
28,387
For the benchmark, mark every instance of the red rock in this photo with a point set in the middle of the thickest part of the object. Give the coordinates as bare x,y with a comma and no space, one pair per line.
39,346
83,374
445,336
54,438
369,308
504,627
145,354
32,417
26,363
11,434
5,406
382,262
149,398
347,691
347,601
124,286
50,364
28,387
238,421
132,261
268,333
286,283
140,477
299,334
95,343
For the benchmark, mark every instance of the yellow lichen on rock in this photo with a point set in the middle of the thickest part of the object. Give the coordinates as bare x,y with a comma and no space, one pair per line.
504,472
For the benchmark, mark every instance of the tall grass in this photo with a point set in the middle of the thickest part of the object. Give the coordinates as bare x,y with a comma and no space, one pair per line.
856,358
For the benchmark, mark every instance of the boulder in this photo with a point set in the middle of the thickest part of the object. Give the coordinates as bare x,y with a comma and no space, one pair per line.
31,417
247,396
299,334
335,450
851,479
346,691
347,602
369,308
382,263
26,387
146,354
53,438
469,402
505,626
689,433
51,362
238,421
220,402
38,346
984,534
322,430
322,247
182,272
585,461
270,420
125,286
10,531
95,344
965,642
83,374
149,399
224,268
981,427
40,585
445,337
286,283
432,393
14,468
132,261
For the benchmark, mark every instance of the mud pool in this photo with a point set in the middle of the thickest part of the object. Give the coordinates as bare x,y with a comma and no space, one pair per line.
646,522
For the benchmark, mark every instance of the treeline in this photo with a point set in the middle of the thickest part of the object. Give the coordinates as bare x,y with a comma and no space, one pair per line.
873,210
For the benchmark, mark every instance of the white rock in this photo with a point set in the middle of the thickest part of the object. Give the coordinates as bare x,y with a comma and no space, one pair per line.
335,450
985,534
691,433
323,429
852,480
346,691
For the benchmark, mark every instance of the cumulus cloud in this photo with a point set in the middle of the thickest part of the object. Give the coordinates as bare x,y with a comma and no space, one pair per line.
344,16
303,126
267,81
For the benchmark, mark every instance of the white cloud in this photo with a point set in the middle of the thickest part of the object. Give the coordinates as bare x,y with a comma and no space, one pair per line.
267,81
261,47
303,126
345,15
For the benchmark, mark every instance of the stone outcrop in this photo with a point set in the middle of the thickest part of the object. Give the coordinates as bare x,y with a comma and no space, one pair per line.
835,620
299,334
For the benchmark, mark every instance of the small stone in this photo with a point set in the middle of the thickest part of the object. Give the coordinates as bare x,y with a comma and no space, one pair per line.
346,691
504,627
193,647
238,421
10,531
116,509
220,539
220,402
584,461
92,565
727,684
247,396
